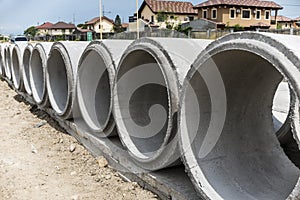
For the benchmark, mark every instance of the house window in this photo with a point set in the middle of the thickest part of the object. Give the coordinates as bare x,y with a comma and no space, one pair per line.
191,18
172,17
204,14
152,18
246,14
214,13
267,15
232,13
258,14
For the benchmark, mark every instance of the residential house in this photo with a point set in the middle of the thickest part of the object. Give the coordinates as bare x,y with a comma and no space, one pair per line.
250,14
43,31
62,29
282,22
107,25
297,22
166,13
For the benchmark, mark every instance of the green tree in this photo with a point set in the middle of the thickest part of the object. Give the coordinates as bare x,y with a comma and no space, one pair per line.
118,25
30,32
162,16
83,26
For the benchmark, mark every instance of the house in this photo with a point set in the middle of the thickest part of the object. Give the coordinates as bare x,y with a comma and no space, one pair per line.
166,13
282,22
107,25
62,28
43,30
250,14
297,22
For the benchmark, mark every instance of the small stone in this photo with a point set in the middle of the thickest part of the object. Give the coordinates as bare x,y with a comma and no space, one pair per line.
33,149
75,197
39,125
107,177
102,162
93,173
72,148
73,173
97,179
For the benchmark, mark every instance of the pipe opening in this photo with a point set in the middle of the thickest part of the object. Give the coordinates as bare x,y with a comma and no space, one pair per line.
26,63
16,69
58,81
94,91
143,104
247,161
37,79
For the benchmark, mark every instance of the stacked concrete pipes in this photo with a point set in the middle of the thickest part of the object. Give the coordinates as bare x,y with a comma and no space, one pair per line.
207,103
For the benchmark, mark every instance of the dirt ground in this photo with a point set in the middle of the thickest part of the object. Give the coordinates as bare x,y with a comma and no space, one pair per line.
40,161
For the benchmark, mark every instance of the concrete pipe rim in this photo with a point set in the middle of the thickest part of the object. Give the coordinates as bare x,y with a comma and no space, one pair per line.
99,52
61,108
8,62
38,60
26,67
168,74
203,180
17,68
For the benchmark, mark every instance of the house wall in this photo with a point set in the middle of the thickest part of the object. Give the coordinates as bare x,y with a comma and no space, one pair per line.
61,31
223,15
42,32
108,27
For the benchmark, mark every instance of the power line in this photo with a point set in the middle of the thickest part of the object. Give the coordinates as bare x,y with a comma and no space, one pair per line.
296,5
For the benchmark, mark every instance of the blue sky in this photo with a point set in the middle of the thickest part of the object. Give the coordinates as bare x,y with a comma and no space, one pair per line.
17,15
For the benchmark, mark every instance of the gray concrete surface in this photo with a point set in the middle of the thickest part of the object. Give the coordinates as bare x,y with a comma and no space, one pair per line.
26,65
230,148
96,74
147,87
37,72
61,75
8,63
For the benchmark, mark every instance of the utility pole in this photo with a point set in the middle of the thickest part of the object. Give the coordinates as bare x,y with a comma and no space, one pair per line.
137,20
101,30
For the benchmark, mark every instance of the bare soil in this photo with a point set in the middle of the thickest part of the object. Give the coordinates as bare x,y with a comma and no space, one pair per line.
38,160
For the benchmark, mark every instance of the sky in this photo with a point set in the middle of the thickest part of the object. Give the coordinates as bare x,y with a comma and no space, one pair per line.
17,15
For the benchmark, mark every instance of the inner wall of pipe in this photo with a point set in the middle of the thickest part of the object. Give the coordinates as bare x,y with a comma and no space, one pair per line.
141,110
58,79
16,69
247,161
94,91
26,62
37,76
8,63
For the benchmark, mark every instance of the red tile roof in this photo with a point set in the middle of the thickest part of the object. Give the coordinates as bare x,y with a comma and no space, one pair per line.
97,19
45,25
176,7
62,25
281,18
297,19
248,3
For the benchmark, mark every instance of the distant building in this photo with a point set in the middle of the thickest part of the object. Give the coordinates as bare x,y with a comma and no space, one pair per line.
282,22
43,31
62,29
107,25
250,14
297,22
163,13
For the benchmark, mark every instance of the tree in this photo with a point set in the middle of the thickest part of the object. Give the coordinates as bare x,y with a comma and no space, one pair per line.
83,26
30,32
118,25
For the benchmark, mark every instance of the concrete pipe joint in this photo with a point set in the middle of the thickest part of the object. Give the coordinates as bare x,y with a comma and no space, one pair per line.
146,92
37,73
26,66
61,76
17,66
227,135
96,73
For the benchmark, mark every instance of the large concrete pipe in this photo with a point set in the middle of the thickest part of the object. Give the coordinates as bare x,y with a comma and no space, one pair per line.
37,72
227,134
147,87
8,63
26,66
61,76
2,59
17,66
96,73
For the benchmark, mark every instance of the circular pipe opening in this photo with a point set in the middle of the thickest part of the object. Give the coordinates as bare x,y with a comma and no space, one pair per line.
16,68
245,161
58,81
94,90
143,105
26,63
37,76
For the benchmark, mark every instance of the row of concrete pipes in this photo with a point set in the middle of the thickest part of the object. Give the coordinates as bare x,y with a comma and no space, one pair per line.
205,103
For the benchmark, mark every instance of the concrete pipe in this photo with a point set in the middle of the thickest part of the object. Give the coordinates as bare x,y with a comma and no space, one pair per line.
147,87
96,73
8,63
2,60
61,76
26,66
227,134
37,72
17,66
